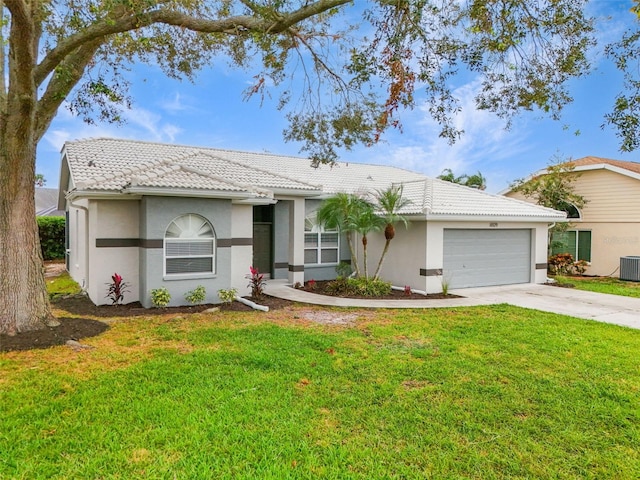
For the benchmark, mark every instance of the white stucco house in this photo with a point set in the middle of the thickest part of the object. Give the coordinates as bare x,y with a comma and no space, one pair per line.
177,217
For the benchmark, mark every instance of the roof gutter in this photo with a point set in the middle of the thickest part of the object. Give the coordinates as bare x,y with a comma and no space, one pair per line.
86,240
492,218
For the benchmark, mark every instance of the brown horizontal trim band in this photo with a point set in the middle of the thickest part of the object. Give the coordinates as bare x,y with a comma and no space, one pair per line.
151,242
296,268
242,242
159,243
541,266
281,265
234,242
117,242
430,272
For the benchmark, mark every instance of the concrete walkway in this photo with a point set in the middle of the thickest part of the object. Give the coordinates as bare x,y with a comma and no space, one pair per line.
566,301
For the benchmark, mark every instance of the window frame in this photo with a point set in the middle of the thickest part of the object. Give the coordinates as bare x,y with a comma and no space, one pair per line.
575,252
311,227
208,238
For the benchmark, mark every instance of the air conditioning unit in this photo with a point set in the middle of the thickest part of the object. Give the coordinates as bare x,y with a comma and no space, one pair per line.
630,268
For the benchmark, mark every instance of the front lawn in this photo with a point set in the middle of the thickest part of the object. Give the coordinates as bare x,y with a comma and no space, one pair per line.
485,392
610,285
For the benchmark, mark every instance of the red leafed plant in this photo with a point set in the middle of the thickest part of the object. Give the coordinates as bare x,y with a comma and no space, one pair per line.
407,290
256,282
117,289
311,284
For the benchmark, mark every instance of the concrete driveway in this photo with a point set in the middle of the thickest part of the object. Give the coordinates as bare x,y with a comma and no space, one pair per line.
567,301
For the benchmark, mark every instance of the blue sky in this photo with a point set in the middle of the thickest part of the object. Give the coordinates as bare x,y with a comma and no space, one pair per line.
212,113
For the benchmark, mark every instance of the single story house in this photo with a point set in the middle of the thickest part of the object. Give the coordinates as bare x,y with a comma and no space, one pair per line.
608,226
177,217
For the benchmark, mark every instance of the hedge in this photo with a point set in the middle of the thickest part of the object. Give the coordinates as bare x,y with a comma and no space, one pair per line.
51,237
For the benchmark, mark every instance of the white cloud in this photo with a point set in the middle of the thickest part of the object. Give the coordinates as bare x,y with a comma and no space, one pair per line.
483,145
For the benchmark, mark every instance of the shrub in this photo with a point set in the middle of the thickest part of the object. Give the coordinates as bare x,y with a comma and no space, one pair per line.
364,287
343,269
196,296
311,284
117,289
227,296
51,231
256,282
564,264
160,297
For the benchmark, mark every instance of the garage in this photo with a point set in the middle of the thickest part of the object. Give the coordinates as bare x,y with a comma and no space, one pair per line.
474,258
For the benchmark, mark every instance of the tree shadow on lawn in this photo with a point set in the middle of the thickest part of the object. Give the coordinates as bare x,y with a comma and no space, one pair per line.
72,328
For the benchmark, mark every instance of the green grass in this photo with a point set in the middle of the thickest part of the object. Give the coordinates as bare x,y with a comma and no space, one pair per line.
482,393
62,284
610,285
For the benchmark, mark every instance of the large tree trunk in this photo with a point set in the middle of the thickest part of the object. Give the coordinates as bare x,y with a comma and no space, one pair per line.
25,303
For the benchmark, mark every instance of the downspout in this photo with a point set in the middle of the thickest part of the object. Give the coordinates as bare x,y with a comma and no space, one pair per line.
551,225
86,241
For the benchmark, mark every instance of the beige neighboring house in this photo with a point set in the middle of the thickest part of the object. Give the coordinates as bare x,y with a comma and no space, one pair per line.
608,227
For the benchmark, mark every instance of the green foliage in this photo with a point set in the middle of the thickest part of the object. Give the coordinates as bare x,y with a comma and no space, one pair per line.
476,180
160,297
389,203
445,286
227,296
342,211
40,181
196,296
343,269
360,286
51,230
554,189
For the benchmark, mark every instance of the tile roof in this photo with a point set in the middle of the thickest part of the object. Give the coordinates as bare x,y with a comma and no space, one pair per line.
107,164
585,161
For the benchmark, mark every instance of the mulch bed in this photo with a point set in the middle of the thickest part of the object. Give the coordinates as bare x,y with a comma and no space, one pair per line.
320,288
79,328
80,305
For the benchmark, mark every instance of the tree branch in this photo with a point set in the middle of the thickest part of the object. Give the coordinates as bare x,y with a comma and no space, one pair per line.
59,87
119,23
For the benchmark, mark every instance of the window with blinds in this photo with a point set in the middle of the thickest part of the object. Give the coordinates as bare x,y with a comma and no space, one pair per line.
189,246
321,246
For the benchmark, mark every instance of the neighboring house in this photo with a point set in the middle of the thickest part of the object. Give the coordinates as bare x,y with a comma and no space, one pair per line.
608,226
178,217
47,203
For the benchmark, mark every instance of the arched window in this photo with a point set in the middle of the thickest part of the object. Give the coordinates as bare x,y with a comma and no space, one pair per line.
189,246
572,210
321,246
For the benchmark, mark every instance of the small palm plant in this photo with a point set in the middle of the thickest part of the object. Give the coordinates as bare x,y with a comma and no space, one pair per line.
341,212
366,222
389,203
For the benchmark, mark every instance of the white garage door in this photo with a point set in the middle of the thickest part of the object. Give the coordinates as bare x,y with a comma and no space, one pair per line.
478,258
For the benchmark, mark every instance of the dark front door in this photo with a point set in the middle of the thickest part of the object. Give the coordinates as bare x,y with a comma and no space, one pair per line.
262,238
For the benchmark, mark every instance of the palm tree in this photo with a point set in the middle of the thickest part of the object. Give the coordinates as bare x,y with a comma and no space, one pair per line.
365,222
477,180
389,203
341,212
